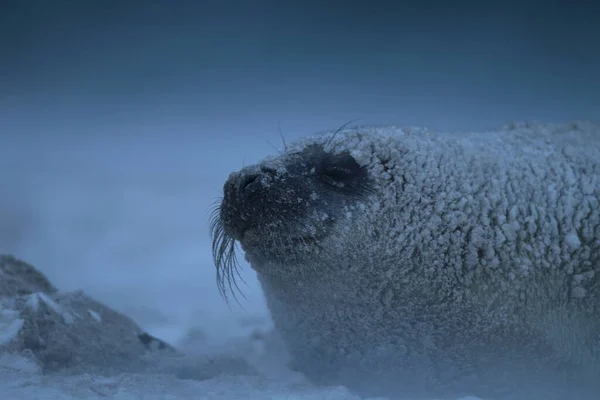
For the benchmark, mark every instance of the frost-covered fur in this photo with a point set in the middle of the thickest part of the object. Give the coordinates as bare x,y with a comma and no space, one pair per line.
473,269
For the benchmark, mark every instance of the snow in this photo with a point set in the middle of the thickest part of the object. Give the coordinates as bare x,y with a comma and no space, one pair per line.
33,302
9,330
133,387
95,315
21,379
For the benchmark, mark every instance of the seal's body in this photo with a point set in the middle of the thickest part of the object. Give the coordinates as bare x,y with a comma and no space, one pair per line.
409,263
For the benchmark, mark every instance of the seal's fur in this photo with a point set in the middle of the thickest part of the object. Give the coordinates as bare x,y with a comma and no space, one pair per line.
457,263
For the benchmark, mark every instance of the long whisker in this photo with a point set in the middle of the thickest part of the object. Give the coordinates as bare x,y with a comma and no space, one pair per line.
224,258
282,137
339,130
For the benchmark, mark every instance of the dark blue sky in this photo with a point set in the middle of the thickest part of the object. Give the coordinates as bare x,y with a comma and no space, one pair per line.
308,64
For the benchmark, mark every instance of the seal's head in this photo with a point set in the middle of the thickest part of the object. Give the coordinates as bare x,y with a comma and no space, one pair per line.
284,210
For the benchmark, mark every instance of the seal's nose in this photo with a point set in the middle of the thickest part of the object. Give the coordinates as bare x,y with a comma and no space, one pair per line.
247,181
244,198
253,182
233,204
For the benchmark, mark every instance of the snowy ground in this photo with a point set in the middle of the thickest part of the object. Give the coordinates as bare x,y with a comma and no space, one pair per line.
126,220
20,379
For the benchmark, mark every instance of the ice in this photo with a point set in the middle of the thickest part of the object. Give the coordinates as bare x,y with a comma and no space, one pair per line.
33,302
150,387
67,317
95,315
10,330
20,378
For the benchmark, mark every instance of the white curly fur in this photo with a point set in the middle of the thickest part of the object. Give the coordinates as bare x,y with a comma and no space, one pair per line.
475,266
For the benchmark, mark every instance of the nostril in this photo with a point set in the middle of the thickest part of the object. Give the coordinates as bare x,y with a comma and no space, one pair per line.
248,180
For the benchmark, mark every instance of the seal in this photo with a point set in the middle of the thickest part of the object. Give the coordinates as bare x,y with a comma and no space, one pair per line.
408,263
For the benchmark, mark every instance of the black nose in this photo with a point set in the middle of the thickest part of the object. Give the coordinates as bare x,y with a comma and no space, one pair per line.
244,199
254,182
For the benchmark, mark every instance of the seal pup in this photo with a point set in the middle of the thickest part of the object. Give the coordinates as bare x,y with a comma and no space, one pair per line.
414,264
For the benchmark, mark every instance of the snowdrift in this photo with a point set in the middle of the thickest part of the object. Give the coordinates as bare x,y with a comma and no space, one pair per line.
56,345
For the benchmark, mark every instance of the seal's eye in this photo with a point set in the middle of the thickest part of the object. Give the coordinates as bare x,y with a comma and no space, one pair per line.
339,170
335,172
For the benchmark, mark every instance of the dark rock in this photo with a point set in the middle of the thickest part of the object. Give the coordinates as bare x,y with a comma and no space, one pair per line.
66,330
19,278
72,333
153,343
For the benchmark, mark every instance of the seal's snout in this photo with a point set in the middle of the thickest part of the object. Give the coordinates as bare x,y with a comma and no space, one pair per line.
240,208
254,182
232,204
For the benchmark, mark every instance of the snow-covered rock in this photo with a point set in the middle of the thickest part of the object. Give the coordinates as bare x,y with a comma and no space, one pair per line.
66,331
19,278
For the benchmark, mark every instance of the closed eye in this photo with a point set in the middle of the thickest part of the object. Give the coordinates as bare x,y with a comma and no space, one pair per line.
337,173
340,170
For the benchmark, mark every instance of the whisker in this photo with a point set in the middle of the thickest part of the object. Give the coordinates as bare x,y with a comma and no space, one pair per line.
224,258
282,137
339,130
275,147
